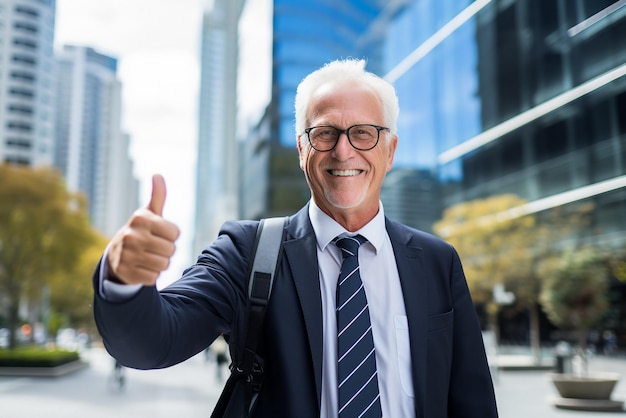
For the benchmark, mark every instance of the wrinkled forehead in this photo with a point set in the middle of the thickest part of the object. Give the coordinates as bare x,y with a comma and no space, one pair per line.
344,98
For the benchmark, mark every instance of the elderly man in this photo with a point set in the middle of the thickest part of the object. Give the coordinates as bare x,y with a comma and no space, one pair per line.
368,317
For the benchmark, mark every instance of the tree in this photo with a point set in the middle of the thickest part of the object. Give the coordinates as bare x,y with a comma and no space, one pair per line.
43,232
71,292
574,293
503,244
492,246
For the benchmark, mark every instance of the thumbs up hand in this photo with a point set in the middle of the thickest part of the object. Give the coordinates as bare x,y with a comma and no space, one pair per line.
143,247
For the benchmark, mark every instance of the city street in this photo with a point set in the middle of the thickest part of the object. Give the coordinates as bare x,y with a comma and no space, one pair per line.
190,390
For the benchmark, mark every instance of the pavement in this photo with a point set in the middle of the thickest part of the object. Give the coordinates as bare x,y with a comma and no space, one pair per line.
527,392
187,390
190,390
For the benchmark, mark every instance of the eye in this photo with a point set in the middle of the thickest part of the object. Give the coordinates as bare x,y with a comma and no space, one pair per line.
324,133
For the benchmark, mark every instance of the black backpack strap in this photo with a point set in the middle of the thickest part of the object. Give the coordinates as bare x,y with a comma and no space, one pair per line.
239,393
268,244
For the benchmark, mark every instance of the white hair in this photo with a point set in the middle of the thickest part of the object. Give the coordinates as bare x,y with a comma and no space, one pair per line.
345,72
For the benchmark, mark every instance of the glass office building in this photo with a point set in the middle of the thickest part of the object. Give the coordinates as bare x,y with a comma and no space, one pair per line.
497,96
525,97
306,35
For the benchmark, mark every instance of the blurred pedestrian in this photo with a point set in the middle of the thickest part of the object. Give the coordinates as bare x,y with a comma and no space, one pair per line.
220,350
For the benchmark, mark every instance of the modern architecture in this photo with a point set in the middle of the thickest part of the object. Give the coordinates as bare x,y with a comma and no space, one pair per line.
26,81
91,148
217,162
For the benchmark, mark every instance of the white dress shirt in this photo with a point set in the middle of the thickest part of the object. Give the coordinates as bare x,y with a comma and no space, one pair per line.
386,305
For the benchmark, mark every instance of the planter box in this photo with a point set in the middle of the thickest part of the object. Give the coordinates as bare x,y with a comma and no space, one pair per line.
55,371
591,386
590,392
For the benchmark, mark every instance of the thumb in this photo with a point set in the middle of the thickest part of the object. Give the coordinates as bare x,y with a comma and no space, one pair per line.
157,200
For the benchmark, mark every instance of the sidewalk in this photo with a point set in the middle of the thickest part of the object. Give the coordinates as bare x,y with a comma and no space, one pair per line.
191,389
527,393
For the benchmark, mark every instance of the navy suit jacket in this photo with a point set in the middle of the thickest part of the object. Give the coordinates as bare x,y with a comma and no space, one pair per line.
156,329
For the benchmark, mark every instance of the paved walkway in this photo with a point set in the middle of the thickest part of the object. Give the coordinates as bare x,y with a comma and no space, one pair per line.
190,390
187,390
527,393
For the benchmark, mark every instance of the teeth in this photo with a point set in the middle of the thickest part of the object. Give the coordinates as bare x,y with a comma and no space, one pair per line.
345,173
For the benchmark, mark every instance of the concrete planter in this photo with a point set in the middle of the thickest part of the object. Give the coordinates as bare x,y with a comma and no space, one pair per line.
590,392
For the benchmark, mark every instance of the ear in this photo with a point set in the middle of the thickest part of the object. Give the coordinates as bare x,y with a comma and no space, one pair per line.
391,151
300,151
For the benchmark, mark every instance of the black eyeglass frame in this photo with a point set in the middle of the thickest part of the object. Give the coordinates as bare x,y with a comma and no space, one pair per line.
346,131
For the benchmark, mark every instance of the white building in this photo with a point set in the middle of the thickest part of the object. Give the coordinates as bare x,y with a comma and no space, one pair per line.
217,181
26,81
92,150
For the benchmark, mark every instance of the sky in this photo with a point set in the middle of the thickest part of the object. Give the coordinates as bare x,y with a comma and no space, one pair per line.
157,45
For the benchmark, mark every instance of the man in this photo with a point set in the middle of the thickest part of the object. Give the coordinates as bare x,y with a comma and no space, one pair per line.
427,358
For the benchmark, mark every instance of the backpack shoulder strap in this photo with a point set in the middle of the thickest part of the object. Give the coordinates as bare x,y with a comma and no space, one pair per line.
268,243
246,371
266,257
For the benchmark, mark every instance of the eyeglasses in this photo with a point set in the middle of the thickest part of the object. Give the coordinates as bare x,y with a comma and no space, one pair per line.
363,137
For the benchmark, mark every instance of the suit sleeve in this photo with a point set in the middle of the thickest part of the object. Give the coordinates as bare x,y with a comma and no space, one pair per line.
156,329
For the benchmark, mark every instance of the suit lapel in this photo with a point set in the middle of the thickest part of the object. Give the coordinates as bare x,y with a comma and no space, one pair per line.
301,254
409,260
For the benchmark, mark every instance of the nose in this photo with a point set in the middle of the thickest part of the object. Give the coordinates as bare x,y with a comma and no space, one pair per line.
343,146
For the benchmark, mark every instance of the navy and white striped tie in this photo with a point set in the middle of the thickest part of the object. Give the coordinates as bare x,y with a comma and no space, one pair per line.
356,373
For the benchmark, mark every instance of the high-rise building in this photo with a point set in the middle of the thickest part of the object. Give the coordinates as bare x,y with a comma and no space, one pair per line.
91,149
26,81
305,35
525,97
216,172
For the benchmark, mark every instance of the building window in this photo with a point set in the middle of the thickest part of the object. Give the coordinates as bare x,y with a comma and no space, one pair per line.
25,43
22,75
25,27
20,126
24,59
24,110
19,143
26,11
22,92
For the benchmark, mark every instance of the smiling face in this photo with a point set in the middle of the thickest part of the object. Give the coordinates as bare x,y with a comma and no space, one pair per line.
345,183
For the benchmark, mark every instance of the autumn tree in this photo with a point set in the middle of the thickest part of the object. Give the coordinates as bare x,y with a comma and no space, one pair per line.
43,233
492,246
71,291
504,243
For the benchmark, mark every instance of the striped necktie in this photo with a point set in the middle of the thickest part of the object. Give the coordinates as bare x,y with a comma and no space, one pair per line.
356,373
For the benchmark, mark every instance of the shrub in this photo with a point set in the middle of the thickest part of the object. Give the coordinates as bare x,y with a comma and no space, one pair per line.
36,357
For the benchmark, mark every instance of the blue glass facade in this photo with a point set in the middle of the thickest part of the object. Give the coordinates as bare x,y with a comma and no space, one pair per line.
524,97
438,94
520,96
308,34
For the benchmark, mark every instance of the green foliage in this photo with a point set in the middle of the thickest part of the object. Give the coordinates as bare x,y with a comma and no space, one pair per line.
574,294
494,247
502,241
502,244
36,357
44,231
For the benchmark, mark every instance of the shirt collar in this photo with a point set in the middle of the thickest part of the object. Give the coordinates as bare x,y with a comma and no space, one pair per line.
326,228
